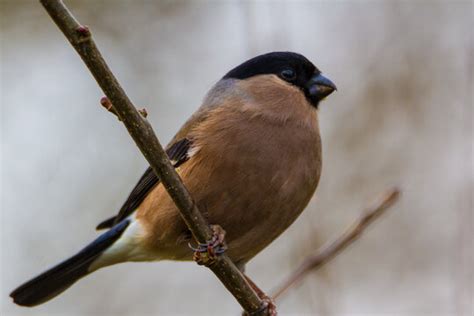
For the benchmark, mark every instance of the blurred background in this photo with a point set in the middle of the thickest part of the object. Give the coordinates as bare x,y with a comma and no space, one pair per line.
402,116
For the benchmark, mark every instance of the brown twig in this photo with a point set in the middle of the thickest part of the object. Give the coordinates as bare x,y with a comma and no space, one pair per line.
328,252
142,133
105,102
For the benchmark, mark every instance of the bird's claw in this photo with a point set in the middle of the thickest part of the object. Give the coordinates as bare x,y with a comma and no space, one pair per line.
271,307
268,305
206,254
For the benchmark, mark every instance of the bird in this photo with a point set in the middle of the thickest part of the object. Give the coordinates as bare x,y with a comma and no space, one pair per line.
251,158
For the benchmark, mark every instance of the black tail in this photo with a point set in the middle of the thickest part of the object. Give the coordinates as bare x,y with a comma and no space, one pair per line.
57,279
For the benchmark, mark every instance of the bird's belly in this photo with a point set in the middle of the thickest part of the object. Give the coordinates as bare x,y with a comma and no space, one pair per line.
257,205
253,190
257,189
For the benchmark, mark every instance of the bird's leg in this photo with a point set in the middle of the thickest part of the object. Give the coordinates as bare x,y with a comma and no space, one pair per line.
267,300
206,254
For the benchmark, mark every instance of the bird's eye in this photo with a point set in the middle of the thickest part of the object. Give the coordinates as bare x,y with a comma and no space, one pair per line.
288,74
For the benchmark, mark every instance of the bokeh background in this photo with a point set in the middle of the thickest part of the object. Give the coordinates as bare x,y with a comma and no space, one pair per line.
402,116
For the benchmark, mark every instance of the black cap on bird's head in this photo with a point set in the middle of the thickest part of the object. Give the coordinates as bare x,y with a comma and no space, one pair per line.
290,67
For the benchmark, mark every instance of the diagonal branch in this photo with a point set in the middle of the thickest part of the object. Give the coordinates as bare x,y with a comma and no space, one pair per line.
142,133
332,249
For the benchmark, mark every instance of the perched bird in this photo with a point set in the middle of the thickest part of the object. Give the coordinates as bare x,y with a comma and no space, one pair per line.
251,158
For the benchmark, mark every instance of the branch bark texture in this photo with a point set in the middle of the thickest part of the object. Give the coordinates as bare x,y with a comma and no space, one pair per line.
142,133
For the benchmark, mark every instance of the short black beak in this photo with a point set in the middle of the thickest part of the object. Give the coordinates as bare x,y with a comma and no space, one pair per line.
319,87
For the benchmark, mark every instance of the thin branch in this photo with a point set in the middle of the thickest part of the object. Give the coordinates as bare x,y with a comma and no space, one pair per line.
329,251
142,133
105,102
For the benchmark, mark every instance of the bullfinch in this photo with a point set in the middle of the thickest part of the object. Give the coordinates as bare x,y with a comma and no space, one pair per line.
250,157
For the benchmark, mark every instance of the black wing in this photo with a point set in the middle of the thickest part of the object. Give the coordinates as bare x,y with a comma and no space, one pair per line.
178,154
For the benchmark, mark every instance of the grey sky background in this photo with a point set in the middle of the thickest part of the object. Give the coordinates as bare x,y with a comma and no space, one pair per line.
402,116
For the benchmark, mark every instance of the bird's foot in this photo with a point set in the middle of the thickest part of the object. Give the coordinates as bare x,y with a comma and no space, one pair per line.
206,254
268,305
268,302
271,307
